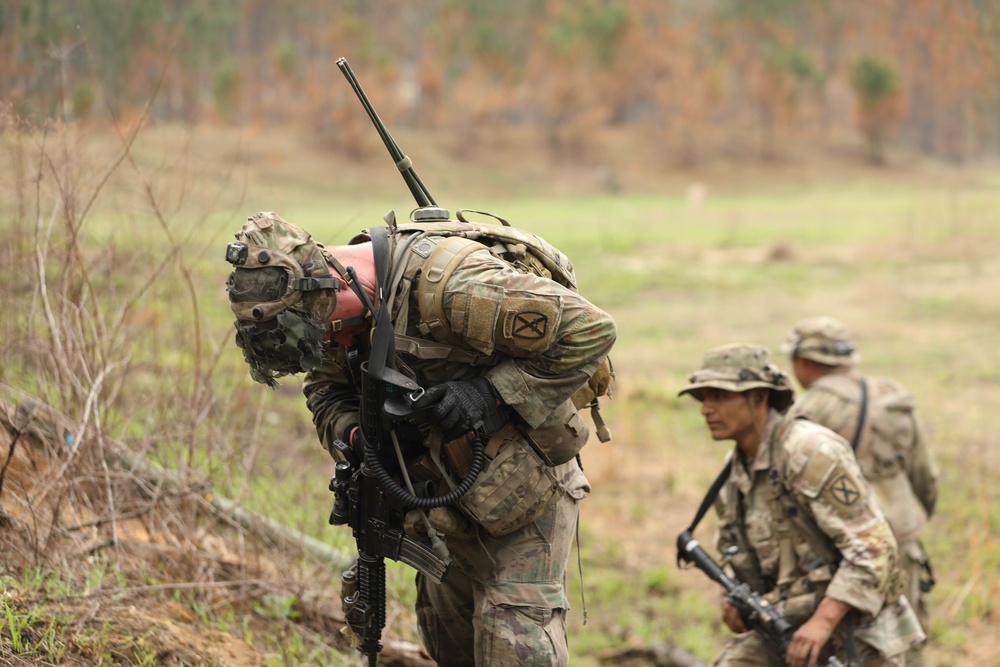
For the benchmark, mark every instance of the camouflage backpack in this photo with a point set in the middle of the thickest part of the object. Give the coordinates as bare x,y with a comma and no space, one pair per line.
523,251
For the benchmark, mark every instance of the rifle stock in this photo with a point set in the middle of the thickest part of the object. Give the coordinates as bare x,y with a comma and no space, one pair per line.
756,612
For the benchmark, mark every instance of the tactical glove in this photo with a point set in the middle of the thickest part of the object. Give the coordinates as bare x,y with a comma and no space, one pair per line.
459,406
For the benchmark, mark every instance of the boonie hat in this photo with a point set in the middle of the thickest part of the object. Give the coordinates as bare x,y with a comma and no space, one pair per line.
822,339
740,367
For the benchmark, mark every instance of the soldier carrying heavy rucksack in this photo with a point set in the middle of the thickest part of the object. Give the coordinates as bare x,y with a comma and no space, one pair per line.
878,417
495,352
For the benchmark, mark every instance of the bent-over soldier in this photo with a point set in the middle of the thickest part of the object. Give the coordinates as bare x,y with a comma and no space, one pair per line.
500,354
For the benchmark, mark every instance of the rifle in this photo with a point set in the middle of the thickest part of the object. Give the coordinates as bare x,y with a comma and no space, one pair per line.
428,208
367,496
756,612
377,525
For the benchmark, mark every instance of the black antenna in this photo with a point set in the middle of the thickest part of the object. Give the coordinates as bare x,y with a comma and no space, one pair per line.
403,163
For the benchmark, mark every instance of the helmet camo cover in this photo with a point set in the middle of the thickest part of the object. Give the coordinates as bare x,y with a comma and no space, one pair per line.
282,294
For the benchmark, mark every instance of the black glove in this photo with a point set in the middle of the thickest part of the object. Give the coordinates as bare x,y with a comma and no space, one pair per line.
459,406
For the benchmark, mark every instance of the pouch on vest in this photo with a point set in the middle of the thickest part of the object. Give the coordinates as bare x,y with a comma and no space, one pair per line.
560,437
514,488
894,629
598,385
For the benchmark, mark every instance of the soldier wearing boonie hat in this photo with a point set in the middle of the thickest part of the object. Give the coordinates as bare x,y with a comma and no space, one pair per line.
822,339
878,417
740,368
798,523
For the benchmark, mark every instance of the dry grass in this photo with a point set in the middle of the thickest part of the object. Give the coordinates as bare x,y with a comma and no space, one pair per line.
116,318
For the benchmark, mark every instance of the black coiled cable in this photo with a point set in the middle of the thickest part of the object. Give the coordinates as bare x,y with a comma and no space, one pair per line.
407,499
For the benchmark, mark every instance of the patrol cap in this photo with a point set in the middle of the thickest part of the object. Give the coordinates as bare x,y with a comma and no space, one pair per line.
740,367
822,339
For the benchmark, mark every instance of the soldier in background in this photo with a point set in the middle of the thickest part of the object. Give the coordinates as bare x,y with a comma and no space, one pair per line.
878,417
799,524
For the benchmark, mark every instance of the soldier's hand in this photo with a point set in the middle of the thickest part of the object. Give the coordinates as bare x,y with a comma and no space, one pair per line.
731,617
459,406
809,640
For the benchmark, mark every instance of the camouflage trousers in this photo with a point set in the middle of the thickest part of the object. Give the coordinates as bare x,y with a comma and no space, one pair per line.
750,650
504,599
911,559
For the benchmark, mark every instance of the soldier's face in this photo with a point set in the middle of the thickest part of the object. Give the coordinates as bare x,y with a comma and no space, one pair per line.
727,414
803,372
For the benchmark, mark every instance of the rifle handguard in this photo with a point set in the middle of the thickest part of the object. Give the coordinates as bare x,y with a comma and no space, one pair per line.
757,613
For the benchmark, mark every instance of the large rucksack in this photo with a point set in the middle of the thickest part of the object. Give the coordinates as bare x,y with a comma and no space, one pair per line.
523,251
885,451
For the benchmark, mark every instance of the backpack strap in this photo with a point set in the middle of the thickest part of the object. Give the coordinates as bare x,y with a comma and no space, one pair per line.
425,349
382,363
440,264
863,412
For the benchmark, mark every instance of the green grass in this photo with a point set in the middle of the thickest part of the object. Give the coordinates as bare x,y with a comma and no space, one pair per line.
907,259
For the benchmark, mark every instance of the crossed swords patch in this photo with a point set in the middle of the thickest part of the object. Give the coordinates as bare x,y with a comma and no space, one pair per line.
530,325
845,491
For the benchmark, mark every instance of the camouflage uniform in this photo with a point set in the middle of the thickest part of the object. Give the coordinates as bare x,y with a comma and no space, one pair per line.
787,516
892,448
504,599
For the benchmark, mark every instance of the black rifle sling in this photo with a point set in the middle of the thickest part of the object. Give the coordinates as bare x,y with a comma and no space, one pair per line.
861,415
382,364
713,493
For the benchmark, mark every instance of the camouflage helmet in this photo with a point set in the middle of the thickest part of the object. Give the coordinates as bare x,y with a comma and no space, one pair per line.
740,367
822,339
282,294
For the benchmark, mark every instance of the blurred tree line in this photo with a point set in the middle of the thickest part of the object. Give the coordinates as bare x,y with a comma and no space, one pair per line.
704,78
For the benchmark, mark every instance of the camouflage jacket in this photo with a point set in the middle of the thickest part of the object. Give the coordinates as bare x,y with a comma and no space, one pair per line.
536,341
892,449
836,512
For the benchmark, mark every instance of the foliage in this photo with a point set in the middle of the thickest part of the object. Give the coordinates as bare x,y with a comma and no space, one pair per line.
874,80
596,27
226,88
728,68
877,86
83,100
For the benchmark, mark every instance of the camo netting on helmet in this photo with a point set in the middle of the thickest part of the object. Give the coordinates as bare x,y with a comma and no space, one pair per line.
291,343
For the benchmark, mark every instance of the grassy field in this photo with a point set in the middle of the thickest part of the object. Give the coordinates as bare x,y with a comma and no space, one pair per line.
906,256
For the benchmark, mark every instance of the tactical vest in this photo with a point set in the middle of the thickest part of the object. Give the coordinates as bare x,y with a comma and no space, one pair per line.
522,251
